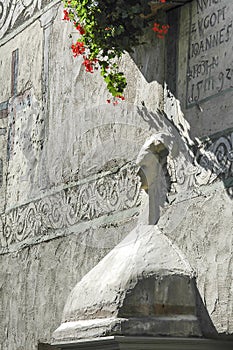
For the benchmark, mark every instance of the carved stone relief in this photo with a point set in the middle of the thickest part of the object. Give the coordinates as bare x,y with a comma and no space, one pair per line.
82,202
221,161
119,191
213,161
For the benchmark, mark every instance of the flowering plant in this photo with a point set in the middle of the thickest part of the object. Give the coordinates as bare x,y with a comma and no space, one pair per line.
107,29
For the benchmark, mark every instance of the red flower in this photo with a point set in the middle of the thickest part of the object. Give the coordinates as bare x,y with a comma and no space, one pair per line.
66,15
162,0
79,28
88,65
161,30
121,97
78,48
116,102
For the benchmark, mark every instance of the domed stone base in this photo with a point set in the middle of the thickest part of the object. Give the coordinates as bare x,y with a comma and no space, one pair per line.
143,287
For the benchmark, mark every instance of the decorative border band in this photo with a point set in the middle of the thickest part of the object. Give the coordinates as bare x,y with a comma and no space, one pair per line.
108,194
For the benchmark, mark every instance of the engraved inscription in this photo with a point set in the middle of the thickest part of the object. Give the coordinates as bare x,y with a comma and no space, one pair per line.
210,64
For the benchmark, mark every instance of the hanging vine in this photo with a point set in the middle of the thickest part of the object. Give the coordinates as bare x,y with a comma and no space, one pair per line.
107,29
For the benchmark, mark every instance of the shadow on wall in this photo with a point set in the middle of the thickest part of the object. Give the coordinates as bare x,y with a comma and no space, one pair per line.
149,55
172,163
206,324
211,159
169,162
203,162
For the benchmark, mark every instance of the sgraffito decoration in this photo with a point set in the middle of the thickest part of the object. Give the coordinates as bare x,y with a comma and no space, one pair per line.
213,161
221,164
15,12
83,202
113,192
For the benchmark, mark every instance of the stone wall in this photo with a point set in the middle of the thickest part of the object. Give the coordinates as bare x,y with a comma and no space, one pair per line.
69,187
205,73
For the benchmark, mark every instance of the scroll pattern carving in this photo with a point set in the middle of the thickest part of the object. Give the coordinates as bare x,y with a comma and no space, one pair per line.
111,193
13,12
214,161
221,161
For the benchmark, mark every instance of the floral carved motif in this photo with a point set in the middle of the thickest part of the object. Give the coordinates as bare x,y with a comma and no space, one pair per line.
218,157
213,161
111,193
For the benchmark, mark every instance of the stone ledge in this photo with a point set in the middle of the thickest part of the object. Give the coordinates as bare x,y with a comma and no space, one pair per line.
147,343
178,325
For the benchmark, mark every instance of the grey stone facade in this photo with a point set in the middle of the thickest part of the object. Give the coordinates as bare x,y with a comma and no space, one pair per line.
116,221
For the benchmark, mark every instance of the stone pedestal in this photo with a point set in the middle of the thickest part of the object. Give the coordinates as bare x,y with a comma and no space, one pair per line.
144,286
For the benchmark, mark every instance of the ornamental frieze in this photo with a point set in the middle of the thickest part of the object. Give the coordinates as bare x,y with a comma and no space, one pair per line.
82,202
112,193
221,162
214,160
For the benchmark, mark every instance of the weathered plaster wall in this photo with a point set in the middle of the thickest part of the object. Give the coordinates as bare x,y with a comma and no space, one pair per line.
202,229
36,281
22,61
201,223
66,165
64,151
78,107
